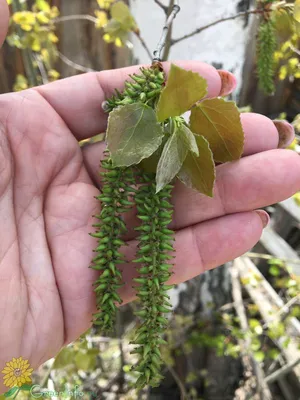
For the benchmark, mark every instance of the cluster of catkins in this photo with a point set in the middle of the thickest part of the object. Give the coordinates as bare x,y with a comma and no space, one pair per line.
122,189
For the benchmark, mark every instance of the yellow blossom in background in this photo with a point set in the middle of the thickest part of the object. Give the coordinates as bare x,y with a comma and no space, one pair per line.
21,83
101,19
296,197
17,372
106,4
53,74
26,19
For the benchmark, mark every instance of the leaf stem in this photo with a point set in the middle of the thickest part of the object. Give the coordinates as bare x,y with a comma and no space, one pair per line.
162,42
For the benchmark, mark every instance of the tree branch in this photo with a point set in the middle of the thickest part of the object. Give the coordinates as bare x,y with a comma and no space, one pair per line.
162,6
282,371
143,43
75,17
202,28
74,65
162,42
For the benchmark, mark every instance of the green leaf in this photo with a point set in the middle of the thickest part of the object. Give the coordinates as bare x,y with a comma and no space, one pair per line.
26,387
219,122
133,134
274,270
259,356
121,13
182,91
11,392
199,172
86,360
64,358
188,139
297,10
171,160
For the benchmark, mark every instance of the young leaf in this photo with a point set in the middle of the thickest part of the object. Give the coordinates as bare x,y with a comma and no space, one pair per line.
182,91
297,10
133,134
199,172
121,13
188,139
11,392
219,122
171,160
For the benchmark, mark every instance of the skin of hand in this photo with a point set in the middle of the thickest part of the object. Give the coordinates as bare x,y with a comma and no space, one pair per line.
47,189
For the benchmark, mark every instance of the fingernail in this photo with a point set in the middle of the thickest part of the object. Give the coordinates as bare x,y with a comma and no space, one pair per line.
286,133
228,82
264,216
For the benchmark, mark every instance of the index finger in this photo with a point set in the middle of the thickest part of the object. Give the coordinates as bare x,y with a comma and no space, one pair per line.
78,99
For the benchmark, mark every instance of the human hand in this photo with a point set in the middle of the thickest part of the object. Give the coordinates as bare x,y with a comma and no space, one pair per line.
47,189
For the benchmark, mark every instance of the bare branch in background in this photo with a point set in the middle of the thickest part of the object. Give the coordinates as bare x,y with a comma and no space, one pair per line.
75,17
202,28
162,6
143,43
41,68
162,42
74,65
282,371
248,358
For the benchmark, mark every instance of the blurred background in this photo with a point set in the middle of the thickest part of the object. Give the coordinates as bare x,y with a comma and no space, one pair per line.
235,331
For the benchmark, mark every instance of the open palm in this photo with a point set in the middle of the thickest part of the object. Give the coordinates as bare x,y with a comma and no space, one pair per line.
47,189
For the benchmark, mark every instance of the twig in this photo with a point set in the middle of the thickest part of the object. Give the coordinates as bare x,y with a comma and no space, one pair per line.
282,371
41,68
263,389
183,393
202,28
75,17
74,65
284,310
162,42
162,6
143,43
269,257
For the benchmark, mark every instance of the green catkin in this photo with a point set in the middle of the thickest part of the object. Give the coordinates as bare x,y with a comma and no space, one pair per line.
115,201
155,243
266,47
143,88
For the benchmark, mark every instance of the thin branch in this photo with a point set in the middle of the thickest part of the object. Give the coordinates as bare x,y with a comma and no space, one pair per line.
283,310
75,17
183,393
162,42
143,43
74,65
41,68
202,28
269,257
248,358
162,6
282,371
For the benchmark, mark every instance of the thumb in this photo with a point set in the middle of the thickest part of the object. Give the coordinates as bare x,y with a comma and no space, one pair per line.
4,18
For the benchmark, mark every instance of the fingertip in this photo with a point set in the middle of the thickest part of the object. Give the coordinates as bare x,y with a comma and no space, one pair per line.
260,133
228,82
264,217
4,20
